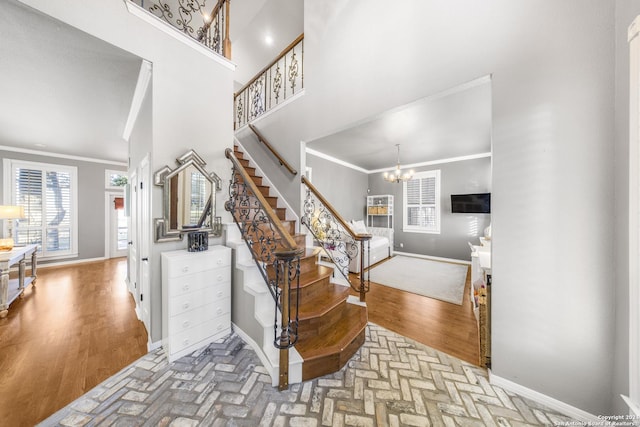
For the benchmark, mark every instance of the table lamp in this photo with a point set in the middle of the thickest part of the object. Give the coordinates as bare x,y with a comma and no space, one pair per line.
10,213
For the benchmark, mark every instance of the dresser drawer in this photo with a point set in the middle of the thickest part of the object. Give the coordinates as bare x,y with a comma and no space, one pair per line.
191,318
189,283
199,332
192,300
195,262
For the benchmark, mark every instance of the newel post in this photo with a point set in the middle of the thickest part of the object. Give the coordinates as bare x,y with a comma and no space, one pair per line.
288,337
226,42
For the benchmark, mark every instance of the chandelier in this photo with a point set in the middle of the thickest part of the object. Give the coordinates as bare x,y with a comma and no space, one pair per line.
397,176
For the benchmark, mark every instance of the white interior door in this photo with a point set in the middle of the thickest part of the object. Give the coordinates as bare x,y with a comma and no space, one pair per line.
133,241
118,228
144,247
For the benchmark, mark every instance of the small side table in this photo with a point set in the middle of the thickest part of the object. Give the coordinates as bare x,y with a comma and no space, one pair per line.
14,288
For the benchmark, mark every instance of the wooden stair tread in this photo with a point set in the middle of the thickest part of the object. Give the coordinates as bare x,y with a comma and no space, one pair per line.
324,302
347,328
311,277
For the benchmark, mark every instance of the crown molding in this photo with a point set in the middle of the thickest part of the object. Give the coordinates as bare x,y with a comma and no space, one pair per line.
61,156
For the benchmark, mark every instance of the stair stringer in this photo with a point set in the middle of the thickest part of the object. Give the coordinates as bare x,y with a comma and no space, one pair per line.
251,295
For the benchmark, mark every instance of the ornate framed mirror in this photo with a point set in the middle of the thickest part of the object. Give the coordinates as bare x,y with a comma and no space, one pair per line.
188,199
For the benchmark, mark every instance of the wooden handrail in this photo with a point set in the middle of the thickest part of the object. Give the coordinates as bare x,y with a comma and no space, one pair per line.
282,161
338,217
213,13
287,240
226,42
257,76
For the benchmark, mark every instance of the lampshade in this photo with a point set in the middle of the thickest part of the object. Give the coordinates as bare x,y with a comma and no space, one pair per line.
11,212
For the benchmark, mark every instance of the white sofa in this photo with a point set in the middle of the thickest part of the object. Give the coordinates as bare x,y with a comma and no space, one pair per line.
380,245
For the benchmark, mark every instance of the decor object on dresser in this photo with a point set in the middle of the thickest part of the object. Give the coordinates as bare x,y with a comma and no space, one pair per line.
9,213
397,176
10,289
380,211
434,279
196,299
380,245
189,202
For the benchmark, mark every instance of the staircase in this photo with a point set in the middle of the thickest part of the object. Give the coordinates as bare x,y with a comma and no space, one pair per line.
331,327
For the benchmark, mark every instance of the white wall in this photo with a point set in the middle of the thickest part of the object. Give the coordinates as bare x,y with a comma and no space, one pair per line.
192,102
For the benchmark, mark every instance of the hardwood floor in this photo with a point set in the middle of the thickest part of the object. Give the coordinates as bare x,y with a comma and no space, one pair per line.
78,327
74,330
447,327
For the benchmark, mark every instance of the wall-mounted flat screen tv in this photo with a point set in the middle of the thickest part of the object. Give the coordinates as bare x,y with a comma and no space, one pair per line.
471,203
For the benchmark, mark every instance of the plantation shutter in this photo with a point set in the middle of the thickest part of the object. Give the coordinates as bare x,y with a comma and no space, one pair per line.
46,192
28,193
421,202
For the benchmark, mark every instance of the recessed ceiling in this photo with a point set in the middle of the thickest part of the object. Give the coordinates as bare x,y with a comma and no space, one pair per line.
452,124
63,91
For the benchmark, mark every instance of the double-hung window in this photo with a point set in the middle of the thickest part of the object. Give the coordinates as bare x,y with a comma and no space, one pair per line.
421,203
48,194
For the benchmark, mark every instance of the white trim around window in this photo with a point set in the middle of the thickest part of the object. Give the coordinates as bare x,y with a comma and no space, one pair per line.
68,198
421,203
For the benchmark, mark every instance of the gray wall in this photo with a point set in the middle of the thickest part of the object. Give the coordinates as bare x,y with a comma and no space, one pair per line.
343,187
468,176
552,68
91,199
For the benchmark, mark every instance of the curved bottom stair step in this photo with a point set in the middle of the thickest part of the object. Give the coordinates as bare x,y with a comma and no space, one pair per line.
329,352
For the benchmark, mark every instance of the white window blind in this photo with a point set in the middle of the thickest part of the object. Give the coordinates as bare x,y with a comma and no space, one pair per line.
48,195
421,210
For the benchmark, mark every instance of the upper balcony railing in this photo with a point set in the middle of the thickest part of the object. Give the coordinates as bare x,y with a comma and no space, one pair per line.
197,19
275,83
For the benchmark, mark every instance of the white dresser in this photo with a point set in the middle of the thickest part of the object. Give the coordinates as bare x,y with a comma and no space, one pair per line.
196,299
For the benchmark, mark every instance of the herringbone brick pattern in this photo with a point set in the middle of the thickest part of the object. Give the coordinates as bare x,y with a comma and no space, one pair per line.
391,381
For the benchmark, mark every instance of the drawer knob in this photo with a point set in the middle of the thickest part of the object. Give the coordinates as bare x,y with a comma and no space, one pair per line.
219,277
220,326
186,287
219,294
186,323
220,261
185,342
219,310
186,305
185,269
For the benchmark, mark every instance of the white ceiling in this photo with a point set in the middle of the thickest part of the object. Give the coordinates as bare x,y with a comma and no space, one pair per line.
452,124
63,91
66,92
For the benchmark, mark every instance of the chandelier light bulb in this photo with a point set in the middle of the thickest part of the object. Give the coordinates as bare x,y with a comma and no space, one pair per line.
397,176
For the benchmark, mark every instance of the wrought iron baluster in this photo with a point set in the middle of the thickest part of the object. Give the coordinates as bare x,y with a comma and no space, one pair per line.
274,252
191,18
274,85
340,244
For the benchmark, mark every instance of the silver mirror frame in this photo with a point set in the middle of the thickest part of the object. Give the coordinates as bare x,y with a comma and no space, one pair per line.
161,178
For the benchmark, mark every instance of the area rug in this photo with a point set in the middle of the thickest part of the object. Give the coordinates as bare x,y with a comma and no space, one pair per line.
434,279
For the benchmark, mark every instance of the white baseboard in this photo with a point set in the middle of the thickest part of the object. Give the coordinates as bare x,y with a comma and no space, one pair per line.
550,402
151,346
75,261
434,258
